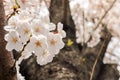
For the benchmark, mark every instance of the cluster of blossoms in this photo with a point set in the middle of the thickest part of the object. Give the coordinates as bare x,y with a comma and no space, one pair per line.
86,15
34,33
31,32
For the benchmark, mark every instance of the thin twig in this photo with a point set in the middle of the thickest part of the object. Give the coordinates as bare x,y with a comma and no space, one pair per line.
83,17
20,53
95,63
99,53
104,15
9,16
83,43
16,2
15,10
107,36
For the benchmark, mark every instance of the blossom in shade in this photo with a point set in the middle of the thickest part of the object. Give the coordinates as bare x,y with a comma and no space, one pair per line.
13,41
60,30
12,23
26,54
55,43
44,57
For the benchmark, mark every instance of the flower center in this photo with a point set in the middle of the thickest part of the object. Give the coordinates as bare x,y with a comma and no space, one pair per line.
26,31
13,23
53,42
44,53
37,29
14,39
24,17
38,44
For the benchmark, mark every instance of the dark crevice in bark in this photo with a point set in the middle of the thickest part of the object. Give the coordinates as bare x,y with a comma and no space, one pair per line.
108,72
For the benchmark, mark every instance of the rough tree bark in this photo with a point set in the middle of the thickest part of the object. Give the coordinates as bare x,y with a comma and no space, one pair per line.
108,72
6,58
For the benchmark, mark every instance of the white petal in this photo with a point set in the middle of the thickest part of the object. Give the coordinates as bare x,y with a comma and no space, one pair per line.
60,26
46,59
52,26
18,47
9,46
7,37
9,28
44,12
26,54
30,47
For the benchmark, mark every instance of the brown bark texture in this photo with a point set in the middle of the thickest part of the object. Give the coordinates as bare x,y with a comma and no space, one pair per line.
108,72
6,59
73,62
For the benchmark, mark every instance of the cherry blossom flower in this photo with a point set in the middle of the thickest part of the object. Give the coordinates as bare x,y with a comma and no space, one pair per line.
13,41
37,44
26,54
12,23
24,30
25,15
55,43
60,30
51,26
94,41
39,28
83,16
44,57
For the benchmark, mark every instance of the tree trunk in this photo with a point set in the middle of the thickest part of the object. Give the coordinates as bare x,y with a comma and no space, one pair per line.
6,58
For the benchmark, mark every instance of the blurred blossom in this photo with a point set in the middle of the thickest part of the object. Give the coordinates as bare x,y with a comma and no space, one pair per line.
86,15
